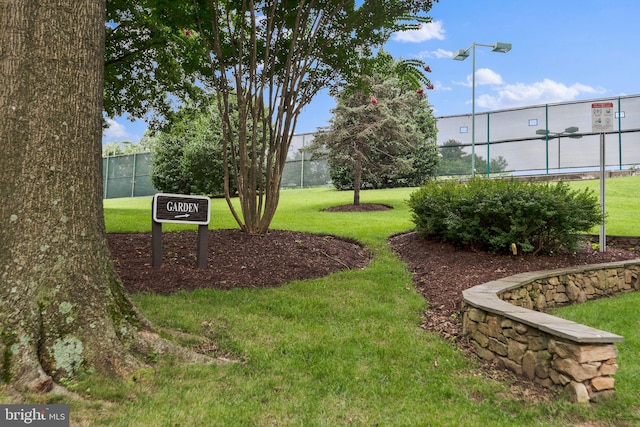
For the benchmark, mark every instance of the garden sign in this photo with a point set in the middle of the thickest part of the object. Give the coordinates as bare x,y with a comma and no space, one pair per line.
180,208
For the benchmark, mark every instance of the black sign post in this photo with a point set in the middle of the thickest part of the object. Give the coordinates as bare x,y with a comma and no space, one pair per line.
180,208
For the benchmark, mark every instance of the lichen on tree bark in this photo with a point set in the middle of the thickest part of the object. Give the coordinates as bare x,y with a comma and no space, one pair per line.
62,305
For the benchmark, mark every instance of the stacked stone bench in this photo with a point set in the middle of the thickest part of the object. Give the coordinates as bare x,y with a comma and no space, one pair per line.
505,321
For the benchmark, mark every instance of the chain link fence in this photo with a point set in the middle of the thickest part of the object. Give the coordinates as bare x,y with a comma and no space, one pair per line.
544,139
128,175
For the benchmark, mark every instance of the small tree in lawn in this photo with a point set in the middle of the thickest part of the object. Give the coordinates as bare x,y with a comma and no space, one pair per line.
382,134
267,59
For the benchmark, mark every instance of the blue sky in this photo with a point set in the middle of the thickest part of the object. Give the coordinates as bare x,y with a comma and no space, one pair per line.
563,50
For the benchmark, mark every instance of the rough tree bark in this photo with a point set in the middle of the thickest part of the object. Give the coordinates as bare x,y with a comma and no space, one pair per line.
62,306
357,180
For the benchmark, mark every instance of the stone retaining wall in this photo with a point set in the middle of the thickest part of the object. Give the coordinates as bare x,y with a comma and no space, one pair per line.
500,321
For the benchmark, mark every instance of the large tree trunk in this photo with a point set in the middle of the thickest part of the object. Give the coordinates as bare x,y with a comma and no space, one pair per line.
62,306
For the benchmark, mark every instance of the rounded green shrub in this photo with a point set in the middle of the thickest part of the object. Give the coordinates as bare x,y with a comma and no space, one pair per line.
492,215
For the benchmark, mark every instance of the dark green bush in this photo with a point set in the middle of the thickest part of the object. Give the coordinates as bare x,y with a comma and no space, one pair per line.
492,215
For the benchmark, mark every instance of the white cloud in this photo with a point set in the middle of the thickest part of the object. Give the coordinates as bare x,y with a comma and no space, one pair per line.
115,131
430,31
437,54
544,92
484,76
441,87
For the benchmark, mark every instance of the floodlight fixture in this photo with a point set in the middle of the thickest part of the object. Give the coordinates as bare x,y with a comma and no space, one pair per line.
501,47
569,132
461,54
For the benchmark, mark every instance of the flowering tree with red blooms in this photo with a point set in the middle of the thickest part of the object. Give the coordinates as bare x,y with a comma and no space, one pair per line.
267,60
385,139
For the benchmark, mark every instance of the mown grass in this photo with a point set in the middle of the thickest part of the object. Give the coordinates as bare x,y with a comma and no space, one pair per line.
622,203
341,350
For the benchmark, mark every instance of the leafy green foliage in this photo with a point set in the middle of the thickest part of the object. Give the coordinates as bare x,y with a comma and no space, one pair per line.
343,349
124,147
493,214
408,169
302,47
187,154
149,64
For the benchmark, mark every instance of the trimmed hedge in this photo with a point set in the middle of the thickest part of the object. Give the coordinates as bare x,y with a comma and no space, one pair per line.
492,215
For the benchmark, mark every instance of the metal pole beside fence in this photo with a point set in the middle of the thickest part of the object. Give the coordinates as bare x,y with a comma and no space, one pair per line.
106,180
133,176
603,224
488,146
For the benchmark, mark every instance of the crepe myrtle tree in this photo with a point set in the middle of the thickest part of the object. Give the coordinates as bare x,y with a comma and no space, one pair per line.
267,60
382,135
63,308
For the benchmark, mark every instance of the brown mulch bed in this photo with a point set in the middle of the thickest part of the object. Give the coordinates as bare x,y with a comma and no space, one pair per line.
235,259
441,272
362,207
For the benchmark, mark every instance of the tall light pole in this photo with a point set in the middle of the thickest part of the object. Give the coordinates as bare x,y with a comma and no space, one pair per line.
461,55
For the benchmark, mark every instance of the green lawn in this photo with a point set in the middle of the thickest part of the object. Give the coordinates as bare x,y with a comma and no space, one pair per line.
342,350
622,204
